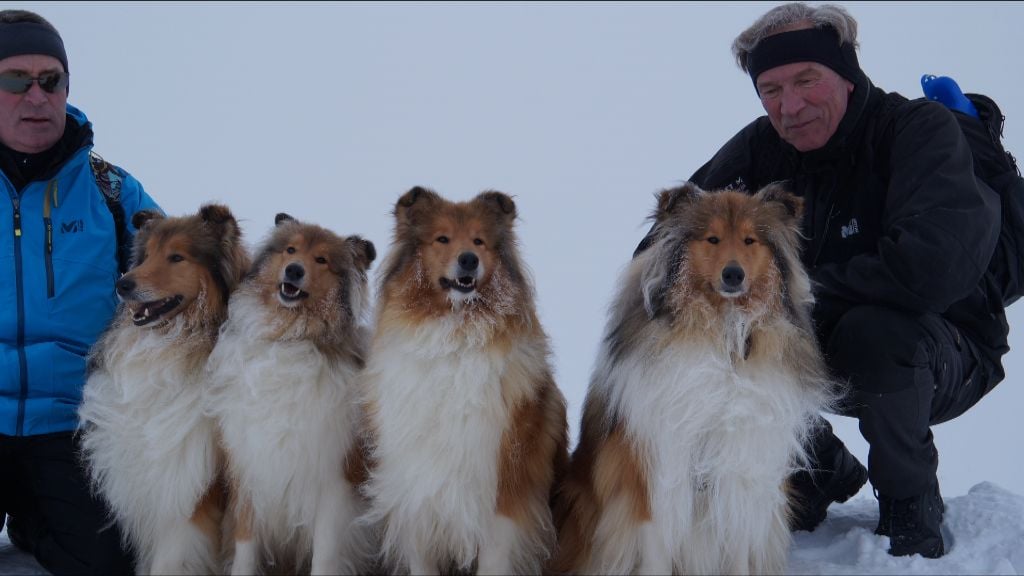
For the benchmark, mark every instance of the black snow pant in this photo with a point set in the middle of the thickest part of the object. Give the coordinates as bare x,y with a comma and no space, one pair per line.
906,373
44,491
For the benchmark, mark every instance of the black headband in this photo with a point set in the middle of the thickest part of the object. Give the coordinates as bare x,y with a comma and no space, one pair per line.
819,45
21,38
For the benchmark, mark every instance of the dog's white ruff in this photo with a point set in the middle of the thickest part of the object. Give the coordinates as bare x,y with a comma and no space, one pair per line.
151,452
440,417
717,441
288,416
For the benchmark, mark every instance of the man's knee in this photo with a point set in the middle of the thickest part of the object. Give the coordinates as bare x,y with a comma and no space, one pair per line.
880,350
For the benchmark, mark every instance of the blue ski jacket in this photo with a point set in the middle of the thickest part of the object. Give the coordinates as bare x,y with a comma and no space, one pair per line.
58,261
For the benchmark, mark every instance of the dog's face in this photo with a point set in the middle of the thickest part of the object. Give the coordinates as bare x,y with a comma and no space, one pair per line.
458,244
182,264
725,245
306,267
729,253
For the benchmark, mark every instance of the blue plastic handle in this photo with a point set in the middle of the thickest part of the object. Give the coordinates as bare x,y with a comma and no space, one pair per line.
944,89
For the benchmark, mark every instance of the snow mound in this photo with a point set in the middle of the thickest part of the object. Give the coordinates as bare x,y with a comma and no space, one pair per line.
983,532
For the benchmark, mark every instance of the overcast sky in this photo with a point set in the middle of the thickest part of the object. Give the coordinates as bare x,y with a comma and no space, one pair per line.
580,111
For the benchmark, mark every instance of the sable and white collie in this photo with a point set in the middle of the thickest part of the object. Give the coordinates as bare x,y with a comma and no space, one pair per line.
150,451
703,394
468,426
283,390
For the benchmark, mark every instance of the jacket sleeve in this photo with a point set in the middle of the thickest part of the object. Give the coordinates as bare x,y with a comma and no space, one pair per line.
732,166
939,226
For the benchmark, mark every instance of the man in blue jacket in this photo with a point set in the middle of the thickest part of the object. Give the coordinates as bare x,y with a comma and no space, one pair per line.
59,261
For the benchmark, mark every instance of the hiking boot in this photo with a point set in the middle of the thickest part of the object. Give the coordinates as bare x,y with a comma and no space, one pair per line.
815,490
21,533
913,524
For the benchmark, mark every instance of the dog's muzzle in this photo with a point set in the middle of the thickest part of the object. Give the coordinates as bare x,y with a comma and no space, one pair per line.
290,290
732,280
465,274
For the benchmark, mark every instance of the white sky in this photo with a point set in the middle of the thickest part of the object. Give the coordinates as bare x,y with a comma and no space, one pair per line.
580,111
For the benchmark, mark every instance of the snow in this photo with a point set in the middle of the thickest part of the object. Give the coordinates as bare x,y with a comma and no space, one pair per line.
982,530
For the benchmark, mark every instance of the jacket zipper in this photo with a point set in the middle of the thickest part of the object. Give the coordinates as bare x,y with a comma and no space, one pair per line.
22,361
51,189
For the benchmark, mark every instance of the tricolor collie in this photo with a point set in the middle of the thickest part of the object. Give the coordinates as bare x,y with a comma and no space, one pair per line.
282,388
150,451
468,425
702,396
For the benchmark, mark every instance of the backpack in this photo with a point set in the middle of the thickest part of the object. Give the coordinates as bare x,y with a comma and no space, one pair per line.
108,179
998,169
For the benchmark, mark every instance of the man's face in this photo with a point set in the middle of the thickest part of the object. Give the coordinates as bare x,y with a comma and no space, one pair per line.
34,120
805,102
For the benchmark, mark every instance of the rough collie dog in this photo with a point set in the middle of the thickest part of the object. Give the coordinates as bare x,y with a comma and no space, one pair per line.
150,451
469,428
282,388
702,396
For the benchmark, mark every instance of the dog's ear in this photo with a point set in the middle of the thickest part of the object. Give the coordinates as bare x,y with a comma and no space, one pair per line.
143,217
282,217
234,262
216,214
776,192
414,202
672,199
363,251
499,203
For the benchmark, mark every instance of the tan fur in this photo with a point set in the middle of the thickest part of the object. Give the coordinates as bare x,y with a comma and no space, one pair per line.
209,513
532,454
602,469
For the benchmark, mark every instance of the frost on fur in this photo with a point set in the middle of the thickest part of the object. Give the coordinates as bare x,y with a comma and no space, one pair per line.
706,389
283,391
468,427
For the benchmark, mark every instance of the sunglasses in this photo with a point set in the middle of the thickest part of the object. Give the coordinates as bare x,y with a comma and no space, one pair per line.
20,82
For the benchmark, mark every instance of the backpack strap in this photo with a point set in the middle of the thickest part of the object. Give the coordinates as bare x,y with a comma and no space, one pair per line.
108,179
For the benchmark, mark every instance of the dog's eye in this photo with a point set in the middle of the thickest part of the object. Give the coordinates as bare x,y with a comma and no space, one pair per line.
321,260
442,239
290,249
478,242
713,239
748,241
175,258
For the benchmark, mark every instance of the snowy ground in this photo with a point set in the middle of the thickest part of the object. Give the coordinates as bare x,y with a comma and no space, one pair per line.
984,534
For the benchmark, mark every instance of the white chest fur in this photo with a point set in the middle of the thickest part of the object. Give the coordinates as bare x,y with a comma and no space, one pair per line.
150,448
439,419
288,417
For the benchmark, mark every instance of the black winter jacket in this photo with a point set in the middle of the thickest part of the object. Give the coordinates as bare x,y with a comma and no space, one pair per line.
893,213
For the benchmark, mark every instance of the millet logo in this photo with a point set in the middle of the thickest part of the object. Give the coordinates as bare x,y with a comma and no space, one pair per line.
72,227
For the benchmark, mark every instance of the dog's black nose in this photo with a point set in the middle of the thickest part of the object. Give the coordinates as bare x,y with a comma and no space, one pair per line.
125,286
468,261
732,275
294,272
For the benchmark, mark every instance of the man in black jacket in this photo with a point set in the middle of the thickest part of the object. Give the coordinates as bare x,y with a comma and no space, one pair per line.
899,233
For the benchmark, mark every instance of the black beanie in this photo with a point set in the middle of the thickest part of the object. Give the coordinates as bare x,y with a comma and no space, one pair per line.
21,38
819,45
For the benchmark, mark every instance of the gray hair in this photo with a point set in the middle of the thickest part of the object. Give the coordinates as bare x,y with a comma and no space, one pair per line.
786,17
